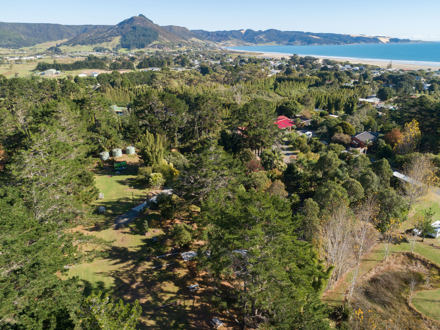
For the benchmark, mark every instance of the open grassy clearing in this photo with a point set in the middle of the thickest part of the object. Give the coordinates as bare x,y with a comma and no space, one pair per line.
428,303
26,68
128,266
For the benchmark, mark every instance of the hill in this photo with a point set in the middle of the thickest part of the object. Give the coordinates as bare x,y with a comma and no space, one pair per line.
16,35
135,32
139,32
240,37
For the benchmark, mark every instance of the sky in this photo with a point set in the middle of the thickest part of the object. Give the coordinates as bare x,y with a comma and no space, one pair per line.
395,18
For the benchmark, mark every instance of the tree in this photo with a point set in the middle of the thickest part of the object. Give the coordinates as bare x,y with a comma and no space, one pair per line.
410,138
152,148
182,234
363,234
347,128
277,188
393,136
337,240
369,181
257,117
210,169
328,165
271,159
424,225
354,189
51,172
331,196
32,296
310,223
392,208
341,138
99,312
385,93
421,175
160,113
383,170
276,277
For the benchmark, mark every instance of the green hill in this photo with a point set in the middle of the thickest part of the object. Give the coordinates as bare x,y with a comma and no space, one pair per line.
139,32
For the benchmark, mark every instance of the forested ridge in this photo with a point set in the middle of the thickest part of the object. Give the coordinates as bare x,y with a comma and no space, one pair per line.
272,230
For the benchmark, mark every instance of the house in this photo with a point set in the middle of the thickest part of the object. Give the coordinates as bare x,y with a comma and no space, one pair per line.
371,100
363,140
308,134
50,72
284,122
120,111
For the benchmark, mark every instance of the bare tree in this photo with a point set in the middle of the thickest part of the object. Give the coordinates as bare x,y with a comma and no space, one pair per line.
420,172
363,234
338,241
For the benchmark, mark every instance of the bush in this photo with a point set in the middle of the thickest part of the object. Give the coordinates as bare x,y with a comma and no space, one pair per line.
259,181
168,172
167,205
341,138
156,180
182,234
144,174
177,160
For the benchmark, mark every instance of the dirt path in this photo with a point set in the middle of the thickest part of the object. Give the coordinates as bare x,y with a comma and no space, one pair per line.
129,216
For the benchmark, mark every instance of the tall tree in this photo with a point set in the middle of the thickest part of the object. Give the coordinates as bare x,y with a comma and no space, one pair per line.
252,245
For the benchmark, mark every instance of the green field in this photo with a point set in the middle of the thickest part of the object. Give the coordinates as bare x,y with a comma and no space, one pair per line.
123,262
428,303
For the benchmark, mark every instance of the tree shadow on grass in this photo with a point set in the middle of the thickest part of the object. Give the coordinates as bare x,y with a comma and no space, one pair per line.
161,284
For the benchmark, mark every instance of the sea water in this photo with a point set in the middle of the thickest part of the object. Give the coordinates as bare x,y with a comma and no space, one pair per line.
408,52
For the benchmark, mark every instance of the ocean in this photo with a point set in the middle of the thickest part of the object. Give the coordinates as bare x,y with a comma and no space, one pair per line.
421,52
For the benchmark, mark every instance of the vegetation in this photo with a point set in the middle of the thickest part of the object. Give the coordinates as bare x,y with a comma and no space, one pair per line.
270,219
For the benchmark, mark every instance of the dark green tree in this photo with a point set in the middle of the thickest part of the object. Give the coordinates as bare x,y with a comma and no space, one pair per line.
252,243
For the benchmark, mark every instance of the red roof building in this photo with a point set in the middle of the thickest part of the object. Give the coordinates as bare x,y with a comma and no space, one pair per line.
284,122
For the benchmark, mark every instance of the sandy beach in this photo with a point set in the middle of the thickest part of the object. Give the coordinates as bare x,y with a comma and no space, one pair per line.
396,64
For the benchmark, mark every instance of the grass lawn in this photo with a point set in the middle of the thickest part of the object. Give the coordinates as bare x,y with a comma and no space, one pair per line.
120,191
428,303
126,263
431,200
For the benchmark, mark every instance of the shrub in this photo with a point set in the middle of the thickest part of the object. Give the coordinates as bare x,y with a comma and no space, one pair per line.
168,171
182,234
167,205
156,180
177,160
259,181
144,174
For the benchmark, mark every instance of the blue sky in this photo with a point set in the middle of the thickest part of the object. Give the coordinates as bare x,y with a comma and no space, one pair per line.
399,18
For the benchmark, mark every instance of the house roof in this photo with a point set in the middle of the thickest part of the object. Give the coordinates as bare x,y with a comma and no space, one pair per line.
284,122
366,137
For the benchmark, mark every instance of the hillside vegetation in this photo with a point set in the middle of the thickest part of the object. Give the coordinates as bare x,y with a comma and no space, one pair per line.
139,32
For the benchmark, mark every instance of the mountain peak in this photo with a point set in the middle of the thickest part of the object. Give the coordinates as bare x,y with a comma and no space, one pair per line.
141,20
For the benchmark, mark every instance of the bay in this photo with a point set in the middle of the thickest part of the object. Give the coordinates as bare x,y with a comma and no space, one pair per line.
411,52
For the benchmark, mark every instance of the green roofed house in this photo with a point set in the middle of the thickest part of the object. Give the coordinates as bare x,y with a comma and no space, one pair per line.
120,111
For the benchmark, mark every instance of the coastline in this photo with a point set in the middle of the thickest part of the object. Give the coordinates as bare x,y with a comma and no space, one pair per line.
383,63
